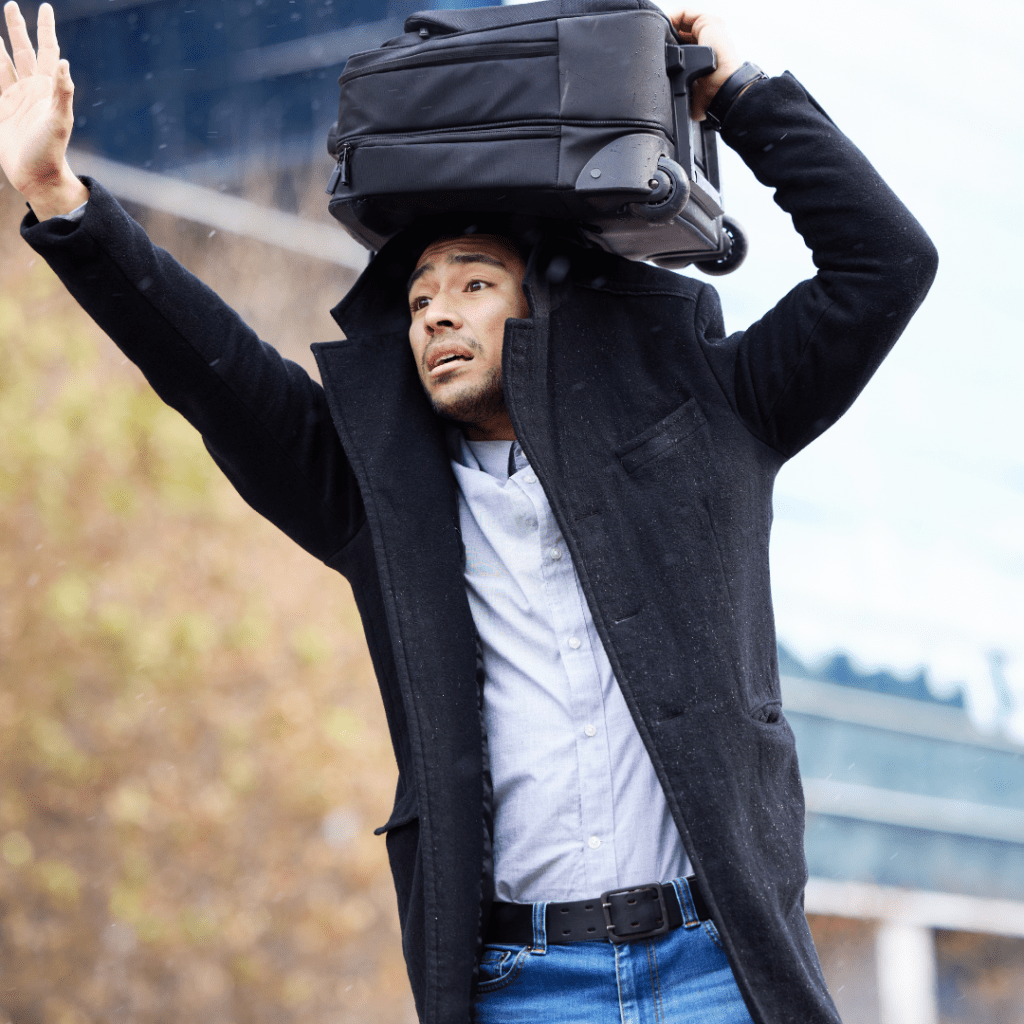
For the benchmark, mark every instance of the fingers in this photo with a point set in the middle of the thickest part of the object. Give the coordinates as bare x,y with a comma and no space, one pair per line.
21,46
8,76
683,20
694,26
697,27
25,61
46,34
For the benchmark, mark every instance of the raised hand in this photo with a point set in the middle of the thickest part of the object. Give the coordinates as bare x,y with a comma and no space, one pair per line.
36,117
706,30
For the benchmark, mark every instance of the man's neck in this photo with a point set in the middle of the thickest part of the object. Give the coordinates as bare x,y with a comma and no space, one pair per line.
497,428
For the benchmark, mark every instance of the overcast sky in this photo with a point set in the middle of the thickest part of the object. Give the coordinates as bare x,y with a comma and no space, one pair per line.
899,535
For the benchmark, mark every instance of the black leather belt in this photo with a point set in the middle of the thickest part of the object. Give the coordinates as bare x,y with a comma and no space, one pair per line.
621,915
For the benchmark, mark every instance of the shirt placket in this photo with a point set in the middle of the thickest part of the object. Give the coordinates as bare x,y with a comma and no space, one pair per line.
587,712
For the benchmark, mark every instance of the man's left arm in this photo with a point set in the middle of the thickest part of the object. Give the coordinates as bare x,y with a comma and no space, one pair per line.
798,369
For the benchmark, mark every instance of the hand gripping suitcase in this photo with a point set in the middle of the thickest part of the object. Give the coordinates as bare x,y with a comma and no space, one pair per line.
577,110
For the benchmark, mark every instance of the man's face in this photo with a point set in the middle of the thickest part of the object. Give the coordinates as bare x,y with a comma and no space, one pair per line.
460,295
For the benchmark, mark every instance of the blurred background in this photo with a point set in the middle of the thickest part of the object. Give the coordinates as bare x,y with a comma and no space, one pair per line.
192,751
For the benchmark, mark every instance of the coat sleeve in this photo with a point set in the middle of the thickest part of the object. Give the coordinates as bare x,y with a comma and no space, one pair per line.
798,369
262,417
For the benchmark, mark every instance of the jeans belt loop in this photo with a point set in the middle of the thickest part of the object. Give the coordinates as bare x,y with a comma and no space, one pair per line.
682,887
539,946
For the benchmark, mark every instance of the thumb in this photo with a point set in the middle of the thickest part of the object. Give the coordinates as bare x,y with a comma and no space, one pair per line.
61,104
62,84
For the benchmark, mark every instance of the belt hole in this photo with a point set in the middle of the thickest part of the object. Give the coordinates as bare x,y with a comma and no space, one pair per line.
567,931
631,902
565,910
589,930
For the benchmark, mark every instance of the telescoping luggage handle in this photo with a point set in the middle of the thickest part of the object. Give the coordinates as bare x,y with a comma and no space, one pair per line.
686,62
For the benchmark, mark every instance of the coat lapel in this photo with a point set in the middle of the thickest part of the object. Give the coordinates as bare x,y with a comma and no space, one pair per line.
395,445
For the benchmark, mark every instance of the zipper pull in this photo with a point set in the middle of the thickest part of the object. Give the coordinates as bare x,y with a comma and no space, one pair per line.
340,174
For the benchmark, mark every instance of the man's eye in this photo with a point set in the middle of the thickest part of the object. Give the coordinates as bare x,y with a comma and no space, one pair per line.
475,286
419,302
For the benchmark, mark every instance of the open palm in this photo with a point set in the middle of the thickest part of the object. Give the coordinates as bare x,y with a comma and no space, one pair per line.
35,105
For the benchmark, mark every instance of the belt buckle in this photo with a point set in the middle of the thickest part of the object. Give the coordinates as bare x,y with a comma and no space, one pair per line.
606,907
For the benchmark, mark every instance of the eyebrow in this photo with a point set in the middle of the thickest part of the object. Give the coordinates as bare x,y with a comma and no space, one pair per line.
456,257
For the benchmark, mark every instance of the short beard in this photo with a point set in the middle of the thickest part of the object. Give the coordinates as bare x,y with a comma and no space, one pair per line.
476,407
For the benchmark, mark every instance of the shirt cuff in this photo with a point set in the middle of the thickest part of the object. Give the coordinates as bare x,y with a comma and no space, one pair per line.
75,215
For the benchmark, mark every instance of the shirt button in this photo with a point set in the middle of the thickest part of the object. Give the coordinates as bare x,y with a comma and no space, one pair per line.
555,553
590,730
593,842
529,479
574,643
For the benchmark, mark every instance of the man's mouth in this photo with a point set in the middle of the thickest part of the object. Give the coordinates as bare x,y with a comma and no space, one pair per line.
448,359
445,356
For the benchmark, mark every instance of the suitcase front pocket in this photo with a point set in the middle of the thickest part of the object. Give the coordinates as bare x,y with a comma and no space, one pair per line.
455,55
429,161
451,87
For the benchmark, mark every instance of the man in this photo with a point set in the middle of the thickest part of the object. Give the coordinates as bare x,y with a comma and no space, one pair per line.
551,493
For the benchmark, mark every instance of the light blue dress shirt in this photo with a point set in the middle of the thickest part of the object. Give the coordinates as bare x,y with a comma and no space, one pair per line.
578,808
76,214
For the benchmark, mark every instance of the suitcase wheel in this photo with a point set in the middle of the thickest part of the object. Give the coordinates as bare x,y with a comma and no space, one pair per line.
736,253
671,189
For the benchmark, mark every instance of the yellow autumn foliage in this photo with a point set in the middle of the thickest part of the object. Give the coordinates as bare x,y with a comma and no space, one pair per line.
192,750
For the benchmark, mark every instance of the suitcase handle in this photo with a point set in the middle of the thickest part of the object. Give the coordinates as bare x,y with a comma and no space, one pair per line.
685,63
477,19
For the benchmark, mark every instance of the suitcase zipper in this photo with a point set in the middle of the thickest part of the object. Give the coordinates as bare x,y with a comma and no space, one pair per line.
342,174
543,124
455,55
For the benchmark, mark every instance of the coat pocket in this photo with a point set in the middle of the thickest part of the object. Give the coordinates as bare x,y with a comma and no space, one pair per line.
406,809
403,846
677,426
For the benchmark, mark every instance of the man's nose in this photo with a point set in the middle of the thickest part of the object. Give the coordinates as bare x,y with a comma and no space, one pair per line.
441,315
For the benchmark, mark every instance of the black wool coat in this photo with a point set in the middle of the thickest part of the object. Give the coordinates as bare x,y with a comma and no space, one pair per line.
657,440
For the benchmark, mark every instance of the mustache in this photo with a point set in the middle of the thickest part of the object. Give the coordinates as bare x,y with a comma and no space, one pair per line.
449,339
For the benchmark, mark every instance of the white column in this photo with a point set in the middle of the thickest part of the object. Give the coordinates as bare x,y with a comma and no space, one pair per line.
905,959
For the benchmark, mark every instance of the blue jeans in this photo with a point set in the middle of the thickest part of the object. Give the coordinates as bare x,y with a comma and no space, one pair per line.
681,976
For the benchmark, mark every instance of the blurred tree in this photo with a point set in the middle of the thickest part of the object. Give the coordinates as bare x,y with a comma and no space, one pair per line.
192,751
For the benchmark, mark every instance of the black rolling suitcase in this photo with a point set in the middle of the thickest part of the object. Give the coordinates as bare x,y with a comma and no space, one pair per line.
570,109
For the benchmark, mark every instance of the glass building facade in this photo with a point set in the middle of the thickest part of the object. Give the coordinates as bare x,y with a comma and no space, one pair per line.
171,85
